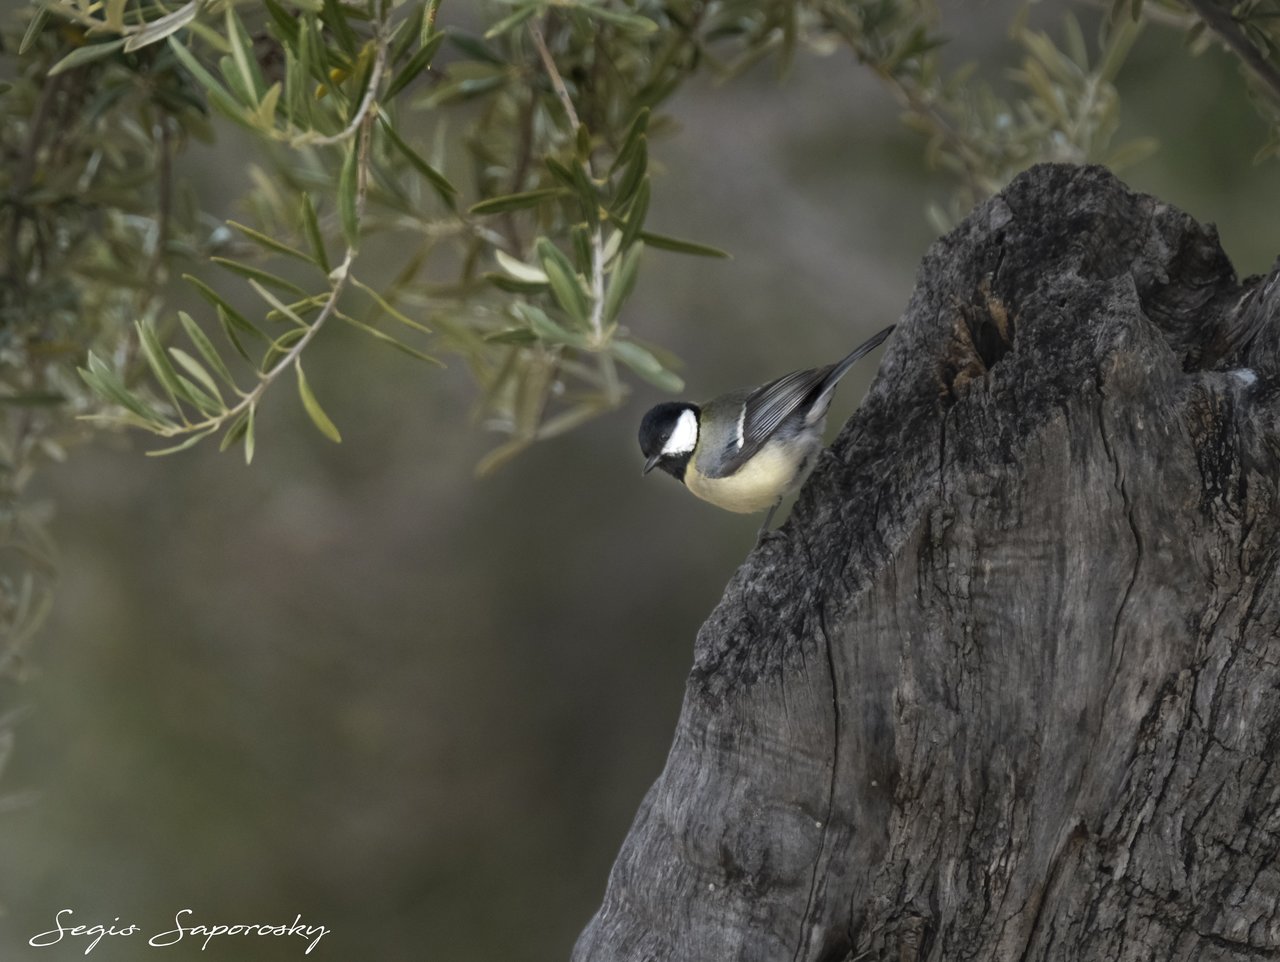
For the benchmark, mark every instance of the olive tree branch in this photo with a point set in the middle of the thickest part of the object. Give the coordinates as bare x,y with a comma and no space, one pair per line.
553,73
1220,20
309,139
597,233
338,279
914,100
25,175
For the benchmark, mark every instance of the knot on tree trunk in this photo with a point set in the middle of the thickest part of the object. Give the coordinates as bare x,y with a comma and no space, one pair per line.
1008,686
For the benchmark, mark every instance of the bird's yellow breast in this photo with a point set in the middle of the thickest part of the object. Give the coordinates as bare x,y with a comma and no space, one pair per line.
755,487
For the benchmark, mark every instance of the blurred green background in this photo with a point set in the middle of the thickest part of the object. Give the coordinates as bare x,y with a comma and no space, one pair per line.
355,683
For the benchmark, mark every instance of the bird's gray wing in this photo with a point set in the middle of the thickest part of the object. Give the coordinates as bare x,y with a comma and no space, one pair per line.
764,411
769,406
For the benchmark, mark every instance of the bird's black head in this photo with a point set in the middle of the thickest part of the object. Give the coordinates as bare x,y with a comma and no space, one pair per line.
668,435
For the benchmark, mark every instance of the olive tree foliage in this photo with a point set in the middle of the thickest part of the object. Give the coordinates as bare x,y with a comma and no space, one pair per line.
501,150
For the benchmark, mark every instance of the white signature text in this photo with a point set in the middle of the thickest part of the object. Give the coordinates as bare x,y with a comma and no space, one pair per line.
183,928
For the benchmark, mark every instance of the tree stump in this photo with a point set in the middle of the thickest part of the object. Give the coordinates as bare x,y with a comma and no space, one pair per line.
1007,685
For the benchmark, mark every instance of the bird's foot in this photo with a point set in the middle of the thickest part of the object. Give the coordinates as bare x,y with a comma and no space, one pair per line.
764,536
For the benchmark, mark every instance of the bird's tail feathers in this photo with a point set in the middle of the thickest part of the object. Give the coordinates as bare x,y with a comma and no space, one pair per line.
857,354
818,410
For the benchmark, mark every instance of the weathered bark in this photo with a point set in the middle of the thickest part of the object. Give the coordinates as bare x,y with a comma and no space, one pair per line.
1007,687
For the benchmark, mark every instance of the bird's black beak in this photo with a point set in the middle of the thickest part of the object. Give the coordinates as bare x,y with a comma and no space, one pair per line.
651,463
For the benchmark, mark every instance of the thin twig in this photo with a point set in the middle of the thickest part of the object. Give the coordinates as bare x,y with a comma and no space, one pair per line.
1219,19
914,101
597,283
361,127
338,278
557,82
370,94
597,232
25,175
164,210
959,144
524,157
93,24
1153,13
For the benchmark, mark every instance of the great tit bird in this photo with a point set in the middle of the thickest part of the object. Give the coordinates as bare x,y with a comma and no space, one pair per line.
747,450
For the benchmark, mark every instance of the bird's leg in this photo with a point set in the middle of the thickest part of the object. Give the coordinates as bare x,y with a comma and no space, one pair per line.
764,528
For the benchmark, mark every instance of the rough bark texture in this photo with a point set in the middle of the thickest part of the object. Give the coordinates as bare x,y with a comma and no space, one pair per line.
1007,687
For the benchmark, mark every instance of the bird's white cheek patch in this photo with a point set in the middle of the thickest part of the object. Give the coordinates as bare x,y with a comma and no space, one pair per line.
684,436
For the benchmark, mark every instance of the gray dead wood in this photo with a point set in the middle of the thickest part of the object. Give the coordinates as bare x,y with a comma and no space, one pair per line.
1007,687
